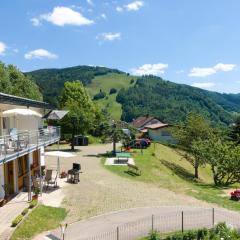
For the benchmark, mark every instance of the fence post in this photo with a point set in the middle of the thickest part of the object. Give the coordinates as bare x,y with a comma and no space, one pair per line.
117,233
213,217
152,222
182,222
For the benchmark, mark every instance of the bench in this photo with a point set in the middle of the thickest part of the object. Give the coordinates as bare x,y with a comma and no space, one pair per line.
134,169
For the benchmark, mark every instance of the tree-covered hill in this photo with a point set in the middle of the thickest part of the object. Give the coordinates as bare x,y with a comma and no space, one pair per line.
51,81
120,95
170,102
14,82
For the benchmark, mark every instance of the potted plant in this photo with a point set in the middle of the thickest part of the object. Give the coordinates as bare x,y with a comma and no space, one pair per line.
63,174
36,191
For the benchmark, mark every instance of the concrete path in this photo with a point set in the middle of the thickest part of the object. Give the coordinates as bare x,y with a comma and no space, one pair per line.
135,223
9,211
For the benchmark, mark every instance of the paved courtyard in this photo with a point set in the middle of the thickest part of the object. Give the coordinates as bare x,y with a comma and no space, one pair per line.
101,191
9,212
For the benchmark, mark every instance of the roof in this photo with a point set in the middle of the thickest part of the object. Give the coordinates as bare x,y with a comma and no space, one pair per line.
20,101
157,125
56,114
141,121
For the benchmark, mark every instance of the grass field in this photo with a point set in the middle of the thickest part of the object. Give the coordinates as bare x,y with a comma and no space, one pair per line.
166,168
42,218
105,83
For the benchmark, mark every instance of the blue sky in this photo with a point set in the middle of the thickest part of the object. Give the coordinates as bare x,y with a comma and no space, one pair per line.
196,42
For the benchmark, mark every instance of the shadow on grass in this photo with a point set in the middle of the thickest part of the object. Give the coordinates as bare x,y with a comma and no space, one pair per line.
178,170
92,155
133,174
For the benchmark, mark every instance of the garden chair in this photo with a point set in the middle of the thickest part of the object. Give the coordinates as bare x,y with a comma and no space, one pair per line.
49,179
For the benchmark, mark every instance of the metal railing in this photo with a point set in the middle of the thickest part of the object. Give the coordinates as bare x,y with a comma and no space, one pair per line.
170,222
18,143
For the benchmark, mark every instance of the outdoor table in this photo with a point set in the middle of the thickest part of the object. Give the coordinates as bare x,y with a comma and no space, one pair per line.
122,156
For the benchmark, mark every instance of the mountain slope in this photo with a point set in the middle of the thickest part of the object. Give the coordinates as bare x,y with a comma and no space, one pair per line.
152,95
170,102
105,83
51,81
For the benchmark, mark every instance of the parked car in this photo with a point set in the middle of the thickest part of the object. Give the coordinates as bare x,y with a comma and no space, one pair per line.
235,195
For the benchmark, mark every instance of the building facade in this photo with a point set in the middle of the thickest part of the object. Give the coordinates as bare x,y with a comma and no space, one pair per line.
22,142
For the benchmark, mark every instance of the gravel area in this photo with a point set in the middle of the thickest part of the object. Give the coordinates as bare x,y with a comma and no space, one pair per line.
100,191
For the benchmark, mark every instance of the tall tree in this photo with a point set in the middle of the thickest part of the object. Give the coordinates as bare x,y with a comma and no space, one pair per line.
82,114
234,134
14,82
195,128
223,158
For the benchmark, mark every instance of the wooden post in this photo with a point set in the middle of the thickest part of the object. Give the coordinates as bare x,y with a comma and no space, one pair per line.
182,222
117,233
152,222
29,178
213,217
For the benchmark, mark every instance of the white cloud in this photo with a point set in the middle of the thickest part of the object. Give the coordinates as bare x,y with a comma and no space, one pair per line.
224,67
204,85
119,9
133,6
150,69
62,16
103,15
90,2
35,21
3,48
109,36
40,54
203,72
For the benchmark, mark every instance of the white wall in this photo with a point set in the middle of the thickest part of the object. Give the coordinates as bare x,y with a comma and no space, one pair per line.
160,135
1,181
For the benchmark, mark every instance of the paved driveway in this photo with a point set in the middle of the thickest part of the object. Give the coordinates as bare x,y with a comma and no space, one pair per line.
101,191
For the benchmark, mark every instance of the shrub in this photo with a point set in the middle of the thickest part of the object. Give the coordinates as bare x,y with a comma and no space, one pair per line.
33,203
132,81
220,231
154,236
17,220
99,95
25,211
113,90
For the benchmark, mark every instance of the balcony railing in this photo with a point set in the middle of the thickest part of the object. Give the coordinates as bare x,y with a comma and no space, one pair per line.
18,144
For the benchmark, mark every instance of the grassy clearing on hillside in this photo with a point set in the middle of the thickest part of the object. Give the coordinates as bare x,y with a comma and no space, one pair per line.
166,168
41,219
105,83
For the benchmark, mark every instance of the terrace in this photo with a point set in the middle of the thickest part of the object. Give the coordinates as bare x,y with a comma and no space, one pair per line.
19,143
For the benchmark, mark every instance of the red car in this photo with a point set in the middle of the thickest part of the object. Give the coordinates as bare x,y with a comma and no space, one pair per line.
235,195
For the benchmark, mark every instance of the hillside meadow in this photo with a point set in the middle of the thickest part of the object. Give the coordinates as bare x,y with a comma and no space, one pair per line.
166,167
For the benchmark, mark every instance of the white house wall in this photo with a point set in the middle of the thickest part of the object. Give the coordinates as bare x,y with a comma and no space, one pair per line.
157,135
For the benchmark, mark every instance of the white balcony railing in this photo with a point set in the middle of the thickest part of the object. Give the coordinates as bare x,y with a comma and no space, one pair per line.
18,144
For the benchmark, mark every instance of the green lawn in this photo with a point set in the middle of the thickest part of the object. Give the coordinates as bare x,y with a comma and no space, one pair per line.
42,218
165,167
105,83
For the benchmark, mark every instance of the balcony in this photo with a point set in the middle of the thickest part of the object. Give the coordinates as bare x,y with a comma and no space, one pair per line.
23,142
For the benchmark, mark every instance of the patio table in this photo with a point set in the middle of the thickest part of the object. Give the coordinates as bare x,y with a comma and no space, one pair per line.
122,156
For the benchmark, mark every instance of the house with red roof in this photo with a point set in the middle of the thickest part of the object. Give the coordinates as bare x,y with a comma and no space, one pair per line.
153,128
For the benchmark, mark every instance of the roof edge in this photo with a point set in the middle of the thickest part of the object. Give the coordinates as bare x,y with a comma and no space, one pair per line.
20,101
